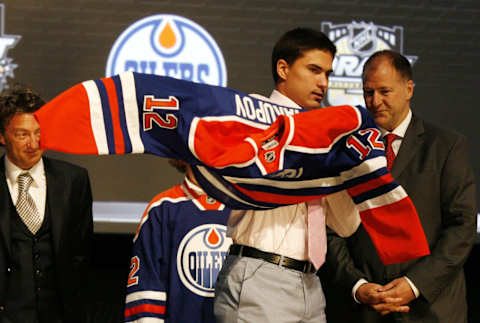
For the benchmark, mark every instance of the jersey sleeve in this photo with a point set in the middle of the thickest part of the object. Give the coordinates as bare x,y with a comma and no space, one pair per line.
146,297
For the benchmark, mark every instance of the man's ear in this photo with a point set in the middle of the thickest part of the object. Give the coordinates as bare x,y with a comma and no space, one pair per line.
282,69
2,139
409,89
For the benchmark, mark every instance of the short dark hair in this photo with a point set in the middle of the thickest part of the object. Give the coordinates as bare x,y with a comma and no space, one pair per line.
17,99
178,164
398,61
295,42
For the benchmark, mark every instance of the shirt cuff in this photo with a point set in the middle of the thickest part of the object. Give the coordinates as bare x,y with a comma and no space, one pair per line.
413,287
360,282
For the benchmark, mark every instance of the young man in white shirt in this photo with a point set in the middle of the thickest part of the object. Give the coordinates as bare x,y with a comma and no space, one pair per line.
267,276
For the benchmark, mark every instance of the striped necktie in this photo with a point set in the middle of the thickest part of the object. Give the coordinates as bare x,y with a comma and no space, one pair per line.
26,205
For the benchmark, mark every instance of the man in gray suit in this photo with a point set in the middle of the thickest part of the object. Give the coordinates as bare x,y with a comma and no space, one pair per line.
46,222
432,165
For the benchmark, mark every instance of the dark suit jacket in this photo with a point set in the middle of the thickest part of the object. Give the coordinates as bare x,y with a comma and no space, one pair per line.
433,167
69,200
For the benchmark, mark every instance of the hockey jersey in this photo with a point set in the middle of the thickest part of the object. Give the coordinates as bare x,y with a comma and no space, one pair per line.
178,251
246,152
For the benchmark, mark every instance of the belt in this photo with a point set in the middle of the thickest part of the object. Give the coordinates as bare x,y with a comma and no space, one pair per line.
246,251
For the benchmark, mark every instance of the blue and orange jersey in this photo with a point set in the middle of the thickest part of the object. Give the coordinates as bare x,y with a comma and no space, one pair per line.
178,251
246,152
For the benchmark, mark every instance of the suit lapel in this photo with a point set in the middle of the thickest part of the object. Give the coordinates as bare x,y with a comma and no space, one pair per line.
5,208
411,144
55,201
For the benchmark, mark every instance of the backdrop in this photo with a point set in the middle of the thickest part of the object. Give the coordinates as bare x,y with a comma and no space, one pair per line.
61,43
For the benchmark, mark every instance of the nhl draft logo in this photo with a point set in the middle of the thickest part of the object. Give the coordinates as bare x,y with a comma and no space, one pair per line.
200,257
355,43
6,42
168,45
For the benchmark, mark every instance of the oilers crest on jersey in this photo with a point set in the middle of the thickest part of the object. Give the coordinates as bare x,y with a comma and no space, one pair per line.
178,251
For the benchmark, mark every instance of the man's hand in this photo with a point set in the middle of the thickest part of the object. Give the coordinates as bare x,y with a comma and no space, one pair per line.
382,299
395,294
369,294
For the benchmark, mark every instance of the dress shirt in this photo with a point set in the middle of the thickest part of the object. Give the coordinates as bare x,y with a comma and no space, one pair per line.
284,230
400,131
38,189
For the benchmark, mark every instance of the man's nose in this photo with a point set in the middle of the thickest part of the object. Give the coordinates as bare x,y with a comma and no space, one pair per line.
33,141
322,81
376,99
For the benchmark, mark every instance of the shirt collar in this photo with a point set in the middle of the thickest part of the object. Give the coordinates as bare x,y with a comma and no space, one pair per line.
401,129
12,171
279,98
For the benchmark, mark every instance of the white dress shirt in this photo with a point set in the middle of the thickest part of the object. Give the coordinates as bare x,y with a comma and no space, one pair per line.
38,189
284,230
400,131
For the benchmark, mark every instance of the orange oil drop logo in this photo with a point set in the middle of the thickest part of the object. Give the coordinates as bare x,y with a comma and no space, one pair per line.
167,37
213,237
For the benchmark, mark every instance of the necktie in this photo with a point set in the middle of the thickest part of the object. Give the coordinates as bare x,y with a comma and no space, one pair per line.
25,205
390,154
317,239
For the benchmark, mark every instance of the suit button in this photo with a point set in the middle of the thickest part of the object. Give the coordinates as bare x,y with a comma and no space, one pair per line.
9,269
2,308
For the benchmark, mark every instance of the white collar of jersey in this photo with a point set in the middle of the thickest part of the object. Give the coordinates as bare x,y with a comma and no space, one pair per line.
191,186
199,198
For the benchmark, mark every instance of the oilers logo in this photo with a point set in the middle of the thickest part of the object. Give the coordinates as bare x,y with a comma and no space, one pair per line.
200,257
355,42
168,45
6,42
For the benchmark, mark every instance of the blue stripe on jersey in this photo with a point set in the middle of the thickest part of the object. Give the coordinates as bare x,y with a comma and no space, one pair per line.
107,116
365,178
232,202
374,193
121,112
293,191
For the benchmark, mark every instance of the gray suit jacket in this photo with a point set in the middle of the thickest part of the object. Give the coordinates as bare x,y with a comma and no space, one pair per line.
433,167
69,200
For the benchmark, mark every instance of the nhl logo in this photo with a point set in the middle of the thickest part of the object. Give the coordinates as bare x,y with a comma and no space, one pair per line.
362,39
270,156
200,258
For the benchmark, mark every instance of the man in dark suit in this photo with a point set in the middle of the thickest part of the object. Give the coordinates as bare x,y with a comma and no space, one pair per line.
45,222
432,165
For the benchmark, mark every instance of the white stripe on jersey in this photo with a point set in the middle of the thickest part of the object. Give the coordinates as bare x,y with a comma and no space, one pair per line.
147,294
96,117
390,197
219,186
366,167
131,111
147,320
311,183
